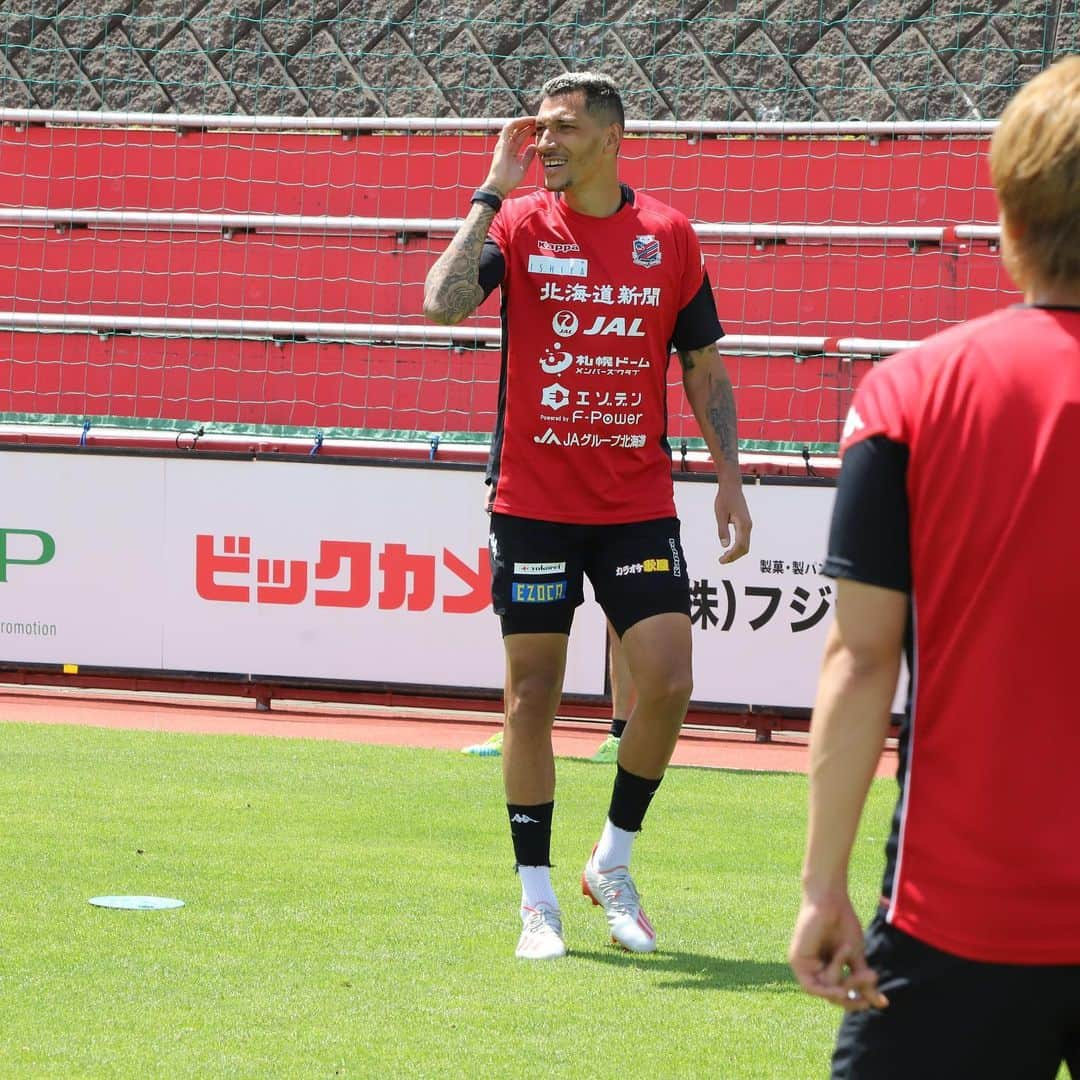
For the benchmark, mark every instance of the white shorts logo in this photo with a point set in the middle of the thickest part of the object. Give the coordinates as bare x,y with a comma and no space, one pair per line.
534,568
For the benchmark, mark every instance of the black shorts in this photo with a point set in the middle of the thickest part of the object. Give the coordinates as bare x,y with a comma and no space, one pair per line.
950,1018
538,570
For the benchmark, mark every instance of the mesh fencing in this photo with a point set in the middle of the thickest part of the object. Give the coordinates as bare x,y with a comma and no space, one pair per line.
156,272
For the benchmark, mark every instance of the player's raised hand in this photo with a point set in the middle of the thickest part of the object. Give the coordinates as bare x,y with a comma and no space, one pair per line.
514,153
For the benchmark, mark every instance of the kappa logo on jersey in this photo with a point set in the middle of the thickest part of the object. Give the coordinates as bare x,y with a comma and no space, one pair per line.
616,326
553,267
646,251
555,397
556,249
554,362
853,423
564,323
549,438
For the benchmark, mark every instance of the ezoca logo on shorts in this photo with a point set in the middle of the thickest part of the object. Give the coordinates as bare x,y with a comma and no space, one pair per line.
24,547
538,592
646,566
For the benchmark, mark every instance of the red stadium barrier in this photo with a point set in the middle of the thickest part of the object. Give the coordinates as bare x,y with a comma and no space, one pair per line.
856,181
375,387
873,289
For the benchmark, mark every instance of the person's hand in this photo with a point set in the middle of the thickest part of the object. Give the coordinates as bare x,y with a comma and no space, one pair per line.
826,955
514,153
732,515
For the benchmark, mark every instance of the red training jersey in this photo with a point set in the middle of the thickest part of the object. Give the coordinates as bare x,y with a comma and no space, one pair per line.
987,862
589,309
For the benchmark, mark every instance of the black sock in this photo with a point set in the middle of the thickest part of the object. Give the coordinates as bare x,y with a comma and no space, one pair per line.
630,799
530,828
617,727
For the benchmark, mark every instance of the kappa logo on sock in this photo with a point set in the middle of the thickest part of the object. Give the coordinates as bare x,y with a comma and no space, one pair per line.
524,819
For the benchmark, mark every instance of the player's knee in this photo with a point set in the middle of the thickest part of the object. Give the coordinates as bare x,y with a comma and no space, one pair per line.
531,700
670,689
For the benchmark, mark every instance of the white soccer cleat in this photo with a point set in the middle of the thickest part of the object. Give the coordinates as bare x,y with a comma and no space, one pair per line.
541,935
613,890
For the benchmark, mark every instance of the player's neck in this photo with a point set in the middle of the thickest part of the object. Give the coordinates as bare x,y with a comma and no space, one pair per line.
599,199
1063,295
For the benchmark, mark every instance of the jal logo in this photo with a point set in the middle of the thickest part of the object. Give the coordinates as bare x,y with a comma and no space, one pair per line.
24,547
617,327
646,251
565,323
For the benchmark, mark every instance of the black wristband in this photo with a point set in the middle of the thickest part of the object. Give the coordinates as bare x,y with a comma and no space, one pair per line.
488,198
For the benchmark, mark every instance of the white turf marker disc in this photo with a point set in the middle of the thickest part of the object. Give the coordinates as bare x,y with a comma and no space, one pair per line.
136,903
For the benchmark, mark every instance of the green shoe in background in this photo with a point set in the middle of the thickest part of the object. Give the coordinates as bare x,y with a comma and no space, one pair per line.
607,752
491,748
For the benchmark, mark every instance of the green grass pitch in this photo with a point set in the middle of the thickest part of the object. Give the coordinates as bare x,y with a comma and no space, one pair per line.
351,911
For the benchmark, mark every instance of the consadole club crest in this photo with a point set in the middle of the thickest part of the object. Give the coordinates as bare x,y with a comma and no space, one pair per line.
646,251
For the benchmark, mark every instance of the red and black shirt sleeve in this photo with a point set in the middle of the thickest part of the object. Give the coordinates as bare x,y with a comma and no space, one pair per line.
492,267
869,536
697,323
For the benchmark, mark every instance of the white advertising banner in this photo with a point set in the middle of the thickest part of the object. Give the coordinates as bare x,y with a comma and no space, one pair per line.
81,570
358,572
265,568
325,571
760,622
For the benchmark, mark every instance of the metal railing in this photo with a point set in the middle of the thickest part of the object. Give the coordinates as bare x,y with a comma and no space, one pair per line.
180,221
486,124
397,333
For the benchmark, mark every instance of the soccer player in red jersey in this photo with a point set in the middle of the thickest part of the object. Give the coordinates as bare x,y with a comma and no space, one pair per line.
955,527
598,283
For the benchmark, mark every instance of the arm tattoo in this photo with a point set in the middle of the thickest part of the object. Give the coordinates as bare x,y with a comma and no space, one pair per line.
715,406
452,290
721,406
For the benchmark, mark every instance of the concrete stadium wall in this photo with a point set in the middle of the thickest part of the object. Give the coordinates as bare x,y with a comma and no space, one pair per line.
682,59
